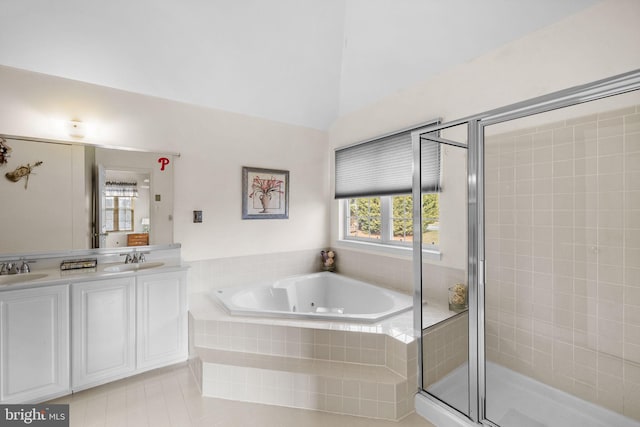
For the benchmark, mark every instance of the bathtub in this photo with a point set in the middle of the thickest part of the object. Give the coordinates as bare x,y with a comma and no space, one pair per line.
324,295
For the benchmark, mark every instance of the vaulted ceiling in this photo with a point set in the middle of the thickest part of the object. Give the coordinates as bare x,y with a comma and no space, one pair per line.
303,62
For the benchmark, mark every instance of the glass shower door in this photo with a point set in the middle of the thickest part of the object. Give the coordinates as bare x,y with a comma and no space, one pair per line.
444,274
562,251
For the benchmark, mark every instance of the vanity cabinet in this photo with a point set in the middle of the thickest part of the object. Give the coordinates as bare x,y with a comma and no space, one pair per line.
161,319
55,339
103,331
125,326
34,344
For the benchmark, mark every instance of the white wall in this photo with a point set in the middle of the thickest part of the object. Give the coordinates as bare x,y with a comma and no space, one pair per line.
597,43
214,145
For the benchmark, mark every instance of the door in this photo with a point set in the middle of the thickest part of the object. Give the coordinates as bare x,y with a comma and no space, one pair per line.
561,330
100,227
34,343
162,319
444,281
103,331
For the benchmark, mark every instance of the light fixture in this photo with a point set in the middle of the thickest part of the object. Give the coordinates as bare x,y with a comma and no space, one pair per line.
76,129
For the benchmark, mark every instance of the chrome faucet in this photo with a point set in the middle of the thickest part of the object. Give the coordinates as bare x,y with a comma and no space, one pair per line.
134,257
138,257
9,267
25,268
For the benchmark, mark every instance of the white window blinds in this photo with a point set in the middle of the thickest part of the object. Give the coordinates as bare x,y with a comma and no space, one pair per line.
384,166
120,189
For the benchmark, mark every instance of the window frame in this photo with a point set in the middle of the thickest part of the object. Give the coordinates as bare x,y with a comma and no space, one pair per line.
386,227
116,214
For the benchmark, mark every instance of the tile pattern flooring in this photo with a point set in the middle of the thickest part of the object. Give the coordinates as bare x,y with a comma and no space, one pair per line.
169,397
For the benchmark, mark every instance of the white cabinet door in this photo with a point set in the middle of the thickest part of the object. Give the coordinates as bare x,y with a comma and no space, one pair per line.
162,319
34,344
103,331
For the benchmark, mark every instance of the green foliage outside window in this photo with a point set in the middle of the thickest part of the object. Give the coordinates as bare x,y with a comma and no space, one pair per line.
366,216
366,211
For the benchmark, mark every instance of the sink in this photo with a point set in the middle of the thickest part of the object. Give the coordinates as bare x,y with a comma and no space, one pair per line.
20,278
132,267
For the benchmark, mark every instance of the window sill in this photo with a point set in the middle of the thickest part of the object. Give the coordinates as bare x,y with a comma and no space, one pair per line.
403,252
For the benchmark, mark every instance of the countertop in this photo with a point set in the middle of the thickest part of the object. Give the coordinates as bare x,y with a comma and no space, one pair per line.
54,276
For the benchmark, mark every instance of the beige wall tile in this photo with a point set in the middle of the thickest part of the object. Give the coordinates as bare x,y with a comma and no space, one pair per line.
632,123
572,261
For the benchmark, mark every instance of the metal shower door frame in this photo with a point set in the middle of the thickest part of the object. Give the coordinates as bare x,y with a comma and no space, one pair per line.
476,124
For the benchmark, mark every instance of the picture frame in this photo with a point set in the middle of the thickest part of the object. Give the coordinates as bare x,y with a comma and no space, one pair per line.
265,193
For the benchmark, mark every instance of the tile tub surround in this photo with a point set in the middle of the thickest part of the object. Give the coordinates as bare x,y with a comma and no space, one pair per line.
563,256
358,369
382,270
209,274
397,273
170,397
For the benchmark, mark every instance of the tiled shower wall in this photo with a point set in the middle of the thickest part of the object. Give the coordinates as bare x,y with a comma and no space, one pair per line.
563,256
445,346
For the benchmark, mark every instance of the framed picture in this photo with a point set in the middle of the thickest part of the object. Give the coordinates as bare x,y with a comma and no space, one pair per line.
265,193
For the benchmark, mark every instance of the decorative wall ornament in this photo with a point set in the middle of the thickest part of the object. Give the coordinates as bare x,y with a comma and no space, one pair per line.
265,193
4,151
22,172
164,161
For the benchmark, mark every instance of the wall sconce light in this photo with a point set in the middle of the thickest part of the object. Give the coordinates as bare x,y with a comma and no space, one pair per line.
76,129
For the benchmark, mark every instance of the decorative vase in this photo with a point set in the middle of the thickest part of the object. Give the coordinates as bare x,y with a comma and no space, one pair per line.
458,298
264,200
328,260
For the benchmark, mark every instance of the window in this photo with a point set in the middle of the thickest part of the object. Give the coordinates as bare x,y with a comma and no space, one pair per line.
118,215
364,218
375,179
389,220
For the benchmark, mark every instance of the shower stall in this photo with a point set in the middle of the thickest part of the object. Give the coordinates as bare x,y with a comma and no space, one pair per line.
548,332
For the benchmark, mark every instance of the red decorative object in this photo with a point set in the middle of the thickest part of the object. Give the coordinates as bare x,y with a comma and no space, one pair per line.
163,162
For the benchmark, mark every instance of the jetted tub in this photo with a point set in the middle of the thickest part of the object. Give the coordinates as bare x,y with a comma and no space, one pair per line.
324,295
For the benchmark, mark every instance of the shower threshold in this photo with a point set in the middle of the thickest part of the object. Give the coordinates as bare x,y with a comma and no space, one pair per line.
515,400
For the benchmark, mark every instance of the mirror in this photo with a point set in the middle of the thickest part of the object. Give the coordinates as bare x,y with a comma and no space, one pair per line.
64,202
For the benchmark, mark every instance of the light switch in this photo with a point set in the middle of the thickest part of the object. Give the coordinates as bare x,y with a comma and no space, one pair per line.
197,216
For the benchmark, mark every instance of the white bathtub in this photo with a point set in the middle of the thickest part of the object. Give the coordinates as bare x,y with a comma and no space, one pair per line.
315,296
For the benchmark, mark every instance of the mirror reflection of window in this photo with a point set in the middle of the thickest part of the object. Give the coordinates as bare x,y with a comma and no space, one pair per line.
119,213
125,208
119,205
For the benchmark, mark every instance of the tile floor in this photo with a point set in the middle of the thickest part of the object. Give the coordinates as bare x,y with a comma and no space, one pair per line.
169,397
